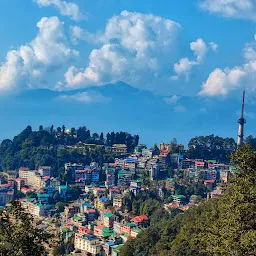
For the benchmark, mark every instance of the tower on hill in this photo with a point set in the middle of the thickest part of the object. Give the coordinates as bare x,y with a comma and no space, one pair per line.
241,121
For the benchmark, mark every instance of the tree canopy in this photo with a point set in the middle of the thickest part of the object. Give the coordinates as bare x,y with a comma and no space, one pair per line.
18,236
224,226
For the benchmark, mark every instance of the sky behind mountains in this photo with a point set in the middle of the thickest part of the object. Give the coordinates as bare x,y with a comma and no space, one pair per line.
170,50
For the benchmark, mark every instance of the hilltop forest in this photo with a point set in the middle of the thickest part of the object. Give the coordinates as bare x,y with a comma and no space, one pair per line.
54,147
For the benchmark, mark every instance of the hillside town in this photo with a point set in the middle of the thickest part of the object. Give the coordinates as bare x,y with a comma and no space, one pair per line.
94,210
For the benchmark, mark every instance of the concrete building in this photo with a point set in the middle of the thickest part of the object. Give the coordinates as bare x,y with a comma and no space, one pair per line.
88,243
119,149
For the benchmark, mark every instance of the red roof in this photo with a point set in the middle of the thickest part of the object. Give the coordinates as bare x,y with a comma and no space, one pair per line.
25,189
91,210
6,185
80,171
114,189
105,211
209,181
141,218
24,169
100,189
84,230
173,206
99,227
200,163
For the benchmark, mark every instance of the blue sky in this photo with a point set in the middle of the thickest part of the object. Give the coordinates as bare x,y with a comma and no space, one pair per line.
203,49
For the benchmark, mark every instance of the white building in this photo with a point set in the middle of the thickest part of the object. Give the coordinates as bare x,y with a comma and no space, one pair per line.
88,243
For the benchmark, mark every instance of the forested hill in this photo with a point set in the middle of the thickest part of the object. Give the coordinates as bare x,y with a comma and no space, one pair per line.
225,226
44,147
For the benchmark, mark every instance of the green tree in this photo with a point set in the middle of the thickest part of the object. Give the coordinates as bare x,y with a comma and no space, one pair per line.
18,236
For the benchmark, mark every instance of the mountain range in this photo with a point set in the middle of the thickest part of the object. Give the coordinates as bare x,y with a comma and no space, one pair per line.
119,106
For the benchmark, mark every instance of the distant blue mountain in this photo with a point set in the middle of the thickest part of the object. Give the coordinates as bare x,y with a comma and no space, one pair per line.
119,106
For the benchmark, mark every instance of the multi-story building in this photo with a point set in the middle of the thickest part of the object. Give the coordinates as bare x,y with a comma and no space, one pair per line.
33,208
88,243
117,227
71,168
119,149
108,220
71,210
164,158
187,163
24,173
178,199
117,201
6,195
135,186
20,183
34,179
130,163
45,171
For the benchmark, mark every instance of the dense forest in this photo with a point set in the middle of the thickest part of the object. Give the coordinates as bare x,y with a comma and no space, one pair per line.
45,147
224,226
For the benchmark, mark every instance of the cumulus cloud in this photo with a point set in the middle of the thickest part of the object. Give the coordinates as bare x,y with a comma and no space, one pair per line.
213,46
200,49
65,8
26,66
222,82
135,48
85,97
243,9
172,100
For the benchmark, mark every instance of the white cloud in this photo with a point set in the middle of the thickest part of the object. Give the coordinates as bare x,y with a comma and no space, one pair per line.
222,82
200,49
214,46
135,48
184,66
86,97
30,65
244,9
65,8
172,100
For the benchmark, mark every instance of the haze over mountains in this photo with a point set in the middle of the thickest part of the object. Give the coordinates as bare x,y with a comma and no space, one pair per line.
122,107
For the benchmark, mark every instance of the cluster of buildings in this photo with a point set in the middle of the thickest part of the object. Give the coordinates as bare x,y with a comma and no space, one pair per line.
99,222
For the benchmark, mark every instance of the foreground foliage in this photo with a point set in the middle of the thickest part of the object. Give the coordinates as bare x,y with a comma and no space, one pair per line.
225,226
18,236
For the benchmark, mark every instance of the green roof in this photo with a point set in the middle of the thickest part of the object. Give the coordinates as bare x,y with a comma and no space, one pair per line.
63,187
77,218
170,179
138,180
106,230
64,229
211,161
131,224
107,234
108,214
178,196
43,195
31,199
117,248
